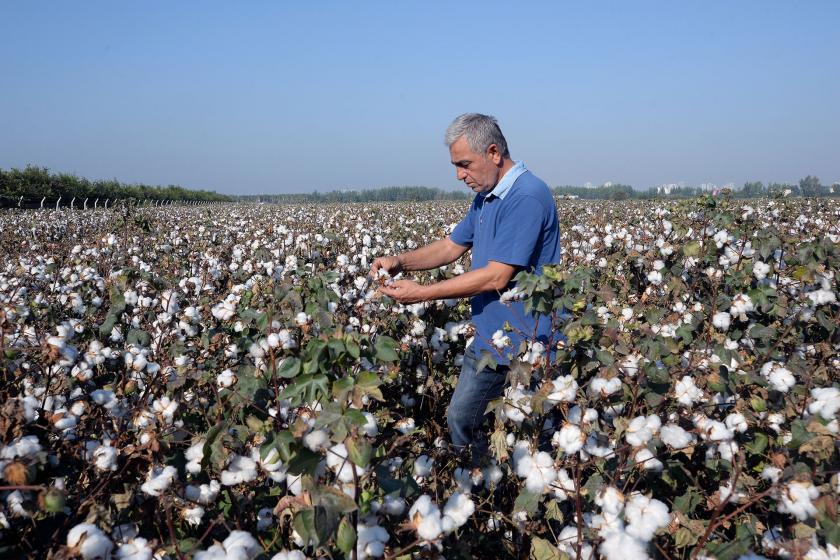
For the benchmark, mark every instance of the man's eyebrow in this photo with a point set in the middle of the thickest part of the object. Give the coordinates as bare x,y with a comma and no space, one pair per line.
461,162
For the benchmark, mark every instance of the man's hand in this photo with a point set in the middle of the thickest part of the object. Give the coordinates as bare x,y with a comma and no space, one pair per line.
390,264
405,291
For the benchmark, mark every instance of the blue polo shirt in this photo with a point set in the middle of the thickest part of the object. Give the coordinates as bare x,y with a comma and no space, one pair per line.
515,223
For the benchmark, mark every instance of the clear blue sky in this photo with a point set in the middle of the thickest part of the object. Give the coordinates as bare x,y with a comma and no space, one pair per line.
269,97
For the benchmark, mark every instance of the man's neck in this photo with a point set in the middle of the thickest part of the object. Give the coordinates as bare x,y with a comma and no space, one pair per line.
507,165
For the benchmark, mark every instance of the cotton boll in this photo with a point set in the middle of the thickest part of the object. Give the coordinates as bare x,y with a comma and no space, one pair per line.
620,545
604,387
135,549
90,542
338,462
423,466
570,439
825,403
158,480
316,440
563,389
797,500
371,539
105,458
194,455
686,392
204,494
240,469
226,379
644,458
645,516
779,377
610,499
289,555
393,505
459,507
676,437
736,422
721,320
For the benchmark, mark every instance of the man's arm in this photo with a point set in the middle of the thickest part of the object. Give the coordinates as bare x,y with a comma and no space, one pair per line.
493,277
433,255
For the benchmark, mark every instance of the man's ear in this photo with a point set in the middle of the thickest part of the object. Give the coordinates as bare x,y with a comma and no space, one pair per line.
494,154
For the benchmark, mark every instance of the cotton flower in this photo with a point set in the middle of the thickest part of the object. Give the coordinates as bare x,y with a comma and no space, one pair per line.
158,480
90,542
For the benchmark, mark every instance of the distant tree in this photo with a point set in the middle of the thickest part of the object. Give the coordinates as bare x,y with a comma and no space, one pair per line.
754,188
810,186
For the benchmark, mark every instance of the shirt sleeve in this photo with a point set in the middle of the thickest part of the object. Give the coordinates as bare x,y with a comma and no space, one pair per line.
465,230
519,230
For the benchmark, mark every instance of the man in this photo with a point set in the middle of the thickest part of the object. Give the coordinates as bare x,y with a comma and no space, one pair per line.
511,225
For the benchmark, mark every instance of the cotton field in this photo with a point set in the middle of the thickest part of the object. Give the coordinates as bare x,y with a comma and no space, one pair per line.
227,382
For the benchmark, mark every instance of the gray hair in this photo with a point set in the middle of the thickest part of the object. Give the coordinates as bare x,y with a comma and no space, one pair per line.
479,130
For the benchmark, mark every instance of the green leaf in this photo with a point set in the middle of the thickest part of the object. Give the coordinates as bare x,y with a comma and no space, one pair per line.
527,501
346,537
758,444
685,537
288,368
359,451
138,337
541,549
303,462
386,349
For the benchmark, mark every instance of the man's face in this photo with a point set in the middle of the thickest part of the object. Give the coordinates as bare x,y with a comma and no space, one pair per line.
479,171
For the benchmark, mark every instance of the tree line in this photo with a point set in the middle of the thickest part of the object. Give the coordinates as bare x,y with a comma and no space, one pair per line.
809,186
384,194
34,183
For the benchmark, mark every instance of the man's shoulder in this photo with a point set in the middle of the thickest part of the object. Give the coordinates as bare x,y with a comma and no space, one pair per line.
529,185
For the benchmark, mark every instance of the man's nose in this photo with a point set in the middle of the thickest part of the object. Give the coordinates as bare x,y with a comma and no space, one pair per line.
460,173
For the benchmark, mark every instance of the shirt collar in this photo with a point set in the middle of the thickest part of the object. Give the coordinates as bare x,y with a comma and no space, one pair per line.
508,179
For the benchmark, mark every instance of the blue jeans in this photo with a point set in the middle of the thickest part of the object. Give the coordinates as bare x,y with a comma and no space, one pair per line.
474,391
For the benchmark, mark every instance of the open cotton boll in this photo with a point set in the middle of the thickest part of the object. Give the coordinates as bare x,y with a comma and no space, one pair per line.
204,494
105,458
316,440
721,320
686,392
90,542
135,549
826,402
570,439
239,545
645,459
620,545
158,480
289,555
370,540
458,509
610,500
563,389
641,429
423,466
604,387
797,499
338,462
537,470
779,377
676,437
240,469
645,516
194,455
226,379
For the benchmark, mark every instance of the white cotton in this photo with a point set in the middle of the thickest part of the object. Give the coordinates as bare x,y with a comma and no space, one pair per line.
105,458
779,377
271,464
676,437
619,545
393,505
821,297
166,408
90,541
610,500
370,540
654,277
641,429
686,392
721,320
204,494
760,270
226,379
405,425
458,509
158,480
644,458
240,469
500,340
797,500
645,516
316,440
135,549
563,389
570,439
771,474
338,462
604,387
537,470
289,555
423,466
194,455
736,422
826,402
741,305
